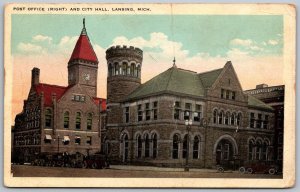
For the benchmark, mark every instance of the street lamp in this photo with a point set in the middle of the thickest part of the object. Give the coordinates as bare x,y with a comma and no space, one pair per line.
188,124
58,144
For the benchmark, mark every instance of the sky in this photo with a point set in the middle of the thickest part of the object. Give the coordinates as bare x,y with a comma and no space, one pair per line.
200,43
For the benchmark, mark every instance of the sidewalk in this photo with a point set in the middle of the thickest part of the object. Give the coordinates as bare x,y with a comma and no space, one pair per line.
165,169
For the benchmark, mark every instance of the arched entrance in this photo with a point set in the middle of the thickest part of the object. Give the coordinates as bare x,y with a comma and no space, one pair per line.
225,149
124,147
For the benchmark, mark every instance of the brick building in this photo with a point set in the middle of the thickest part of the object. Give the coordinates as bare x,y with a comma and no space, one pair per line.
62,118
273,96
146,122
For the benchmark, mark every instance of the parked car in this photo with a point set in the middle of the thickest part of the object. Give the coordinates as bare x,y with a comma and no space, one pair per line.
96,161
259,167
229,165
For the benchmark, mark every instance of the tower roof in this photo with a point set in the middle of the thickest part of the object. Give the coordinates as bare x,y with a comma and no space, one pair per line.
83,48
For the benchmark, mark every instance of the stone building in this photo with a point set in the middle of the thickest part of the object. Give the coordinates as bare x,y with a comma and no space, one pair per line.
146,122
59,119
273,96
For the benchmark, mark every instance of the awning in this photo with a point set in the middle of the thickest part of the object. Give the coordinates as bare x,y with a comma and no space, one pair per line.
66,138
48,137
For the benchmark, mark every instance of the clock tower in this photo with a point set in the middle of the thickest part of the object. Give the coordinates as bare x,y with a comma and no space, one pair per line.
83,65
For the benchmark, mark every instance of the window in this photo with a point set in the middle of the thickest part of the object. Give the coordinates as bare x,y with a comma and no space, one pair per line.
77,140
222,93
89,140
78,120
155,110
259,121
126,114
140,113
185,146
187,112
48,118
221,117
109,70
232,119
139,146
177,110
227,94
89,121
132,69
78,98
116,69
196,147
266,122
128,70
233,95
227,115
264,151
66,140
250,149
226,151
154,145
175,150
124,68
239,119
258,150
197,113
148,112
252,120
215,116
147,146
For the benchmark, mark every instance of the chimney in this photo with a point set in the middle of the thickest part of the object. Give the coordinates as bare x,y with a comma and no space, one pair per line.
261,86
35,76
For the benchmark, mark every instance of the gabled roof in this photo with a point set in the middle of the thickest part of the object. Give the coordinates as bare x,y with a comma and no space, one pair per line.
254,102
83,48
173,80
49,90
208,78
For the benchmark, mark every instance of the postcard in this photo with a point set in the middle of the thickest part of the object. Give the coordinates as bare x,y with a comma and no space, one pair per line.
149,95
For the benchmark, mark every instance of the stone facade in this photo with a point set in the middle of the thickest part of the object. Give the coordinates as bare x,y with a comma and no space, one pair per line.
151,130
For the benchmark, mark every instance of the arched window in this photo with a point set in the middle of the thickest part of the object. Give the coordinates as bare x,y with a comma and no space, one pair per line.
264,151
215,114
109,70
66,120
154,145
258,150
128,70
147,146
232,119
89,121
221,114
116,69
135,72
132,69
227,115
176,140
251,149
196,147
125,146
185,147
239,119
124,68
48,118
78,120
138,71
139,146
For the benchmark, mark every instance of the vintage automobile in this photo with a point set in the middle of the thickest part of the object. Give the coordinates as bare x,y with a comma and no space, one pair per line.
96,161
259,167
232,165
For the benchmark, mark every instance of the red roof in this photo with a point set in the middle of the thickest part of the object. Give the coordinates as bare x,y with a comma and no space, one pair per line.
83,49
101,101
48,90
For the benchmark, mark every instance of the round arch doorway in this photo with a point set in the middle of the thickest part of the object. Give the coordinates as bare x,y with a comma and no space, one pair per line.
225,149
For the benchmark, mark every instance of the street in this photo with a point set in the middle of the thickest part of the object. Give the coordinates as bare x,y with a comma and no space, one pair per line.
129,171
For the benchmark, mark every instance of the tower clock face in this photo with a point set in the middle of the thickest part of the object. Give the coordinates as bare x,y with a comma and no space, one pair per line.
86,76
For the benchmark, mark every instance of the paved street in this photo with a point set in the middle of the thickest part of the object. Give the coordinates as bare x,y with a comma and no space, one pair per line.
128,171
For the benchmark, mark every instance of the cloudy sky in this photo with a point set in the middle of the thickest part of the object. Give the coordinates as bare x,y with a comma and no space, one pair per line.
253,43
